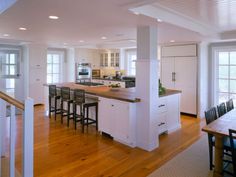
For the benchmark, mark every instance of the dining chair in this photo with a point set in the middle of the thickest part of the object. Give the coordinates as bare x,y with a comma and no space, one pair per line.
210,116
53,97
230,105
232,137
221,109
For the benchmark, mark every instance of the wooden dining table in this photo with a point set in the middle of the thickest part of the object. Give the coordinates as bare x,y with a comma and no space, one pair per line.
220,129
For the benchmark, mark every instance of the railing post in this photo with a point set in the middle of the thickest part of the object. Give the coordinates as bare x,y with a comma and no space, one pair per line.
28,138
2,131
12,140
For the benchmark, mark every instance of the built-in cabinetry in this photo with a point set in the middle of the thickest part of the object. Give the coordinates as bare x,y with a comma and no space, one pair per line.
118,119
110,59
109,82
168,113
179,72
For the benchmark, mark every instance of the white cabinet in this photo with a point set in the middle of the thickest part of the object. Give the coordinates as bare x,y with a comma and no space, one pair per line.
180,73
110,59
117,118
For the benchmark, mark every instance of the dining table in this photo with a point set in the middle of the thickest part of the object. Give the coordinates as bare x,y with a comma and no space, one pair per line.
220,129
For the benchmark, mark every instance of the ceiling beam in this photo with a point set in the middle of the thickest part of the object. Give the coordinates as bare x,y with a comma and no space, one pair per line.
173,17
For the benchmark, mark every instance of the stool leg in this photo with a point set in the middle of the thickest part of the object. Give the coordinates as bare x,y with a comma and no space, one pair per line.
62,111
82,119
50,106
96,116
74,114
68,115
55,108
87,112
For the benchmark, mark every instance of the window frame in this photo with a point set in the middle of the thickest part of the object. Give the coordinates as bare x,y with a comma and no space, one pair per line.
128,61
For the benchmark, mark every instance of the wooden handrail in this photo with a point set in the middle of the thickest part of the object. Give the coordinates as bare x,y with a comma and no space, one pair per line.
12,101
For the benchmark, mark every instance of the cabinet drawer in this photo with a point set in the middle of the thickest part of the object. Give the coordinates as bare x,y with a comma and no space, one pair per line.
161,124
162,107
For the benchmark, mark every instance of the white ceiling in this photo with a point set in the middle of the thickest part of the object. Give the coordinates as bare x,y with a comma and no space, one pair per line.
89,20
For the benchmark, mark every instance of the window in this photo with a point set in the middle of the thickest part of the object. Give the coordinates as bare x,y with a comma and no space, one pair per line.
131,65
9,62
54,70
225,75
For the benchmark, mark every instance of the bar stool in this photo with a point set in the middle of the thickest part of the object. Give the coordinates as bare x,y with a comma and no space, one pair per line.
65,98
53,95
84,105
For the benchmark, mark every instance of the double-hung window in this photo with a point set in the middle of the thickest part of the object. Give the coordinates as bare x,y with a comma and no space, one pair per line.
131,65
54,67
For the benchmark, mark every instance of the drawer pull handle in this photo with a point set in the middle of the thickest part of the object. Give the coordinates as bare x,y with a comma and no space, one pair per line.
161,105
162,123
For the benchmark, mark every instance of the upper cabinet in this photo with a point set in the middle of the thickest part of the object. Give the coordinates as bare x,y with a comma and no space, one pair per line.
110,59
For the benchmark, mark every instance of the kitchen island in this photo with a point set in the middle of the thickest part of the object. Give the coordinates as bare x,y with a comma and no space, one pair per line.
117,111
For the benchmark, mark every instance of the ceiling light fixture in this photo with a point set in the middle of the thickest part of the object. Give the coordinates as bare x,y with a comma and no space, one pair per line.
136,13
103,37
159,20
6,35
81,41
53,17
172,40
22,29
64,43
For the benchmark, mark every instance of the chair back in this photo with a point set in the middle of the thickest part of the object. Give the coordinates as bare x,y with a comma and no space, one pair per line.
232,137
221,109
65,93
79,96
230,105
52,90
210,115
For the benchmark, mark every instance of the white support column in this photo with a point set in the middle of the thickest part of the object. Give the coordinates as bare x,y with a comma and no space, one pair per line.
147,88
12,140
28,138
2,127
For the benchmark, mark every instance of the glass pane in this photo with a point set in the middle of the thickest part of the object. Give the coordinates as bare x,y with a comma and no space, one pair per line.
233,72
223,58
12,69
4,59
223,71
56,58
49,68
49,79
55,78
223,97
12,59
233,58
10,83
5,69
49,58
233,96
223,85
233,86
55,68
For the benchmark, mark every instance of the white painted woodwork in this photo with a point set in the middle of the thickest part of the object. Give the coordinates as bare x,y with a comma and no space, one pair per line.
179,50
118,119
185,70
12,140
147,87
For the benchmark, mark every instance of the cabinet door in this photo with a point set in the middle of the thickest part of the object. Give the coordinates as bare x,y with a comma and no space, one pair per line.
105,116
167,69
112,59
117,59
186,81
120,120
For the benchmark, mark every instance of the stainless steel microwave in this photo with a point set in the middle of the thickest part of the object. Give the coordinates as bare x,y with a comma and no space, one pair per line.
83,71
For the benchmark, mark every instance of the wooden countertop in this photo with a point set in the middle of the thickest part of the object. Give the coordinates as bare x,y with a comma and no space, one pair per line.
170,92
123,94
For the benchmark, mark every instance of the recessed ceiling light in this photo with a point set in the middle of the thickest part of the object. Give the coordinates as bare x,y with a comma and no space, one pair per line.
132,40
64,43
159,20
172,40
53,17
136,13
81,41
6,35
103,37
22,29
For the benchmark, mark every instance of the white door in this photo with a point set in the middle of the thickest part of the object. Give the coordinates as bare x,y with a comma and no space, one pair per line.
186,81
167,71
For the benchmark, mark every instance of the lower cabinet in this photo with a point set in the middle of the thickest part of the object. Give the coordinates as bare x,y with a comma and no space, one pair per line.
117,118
168,113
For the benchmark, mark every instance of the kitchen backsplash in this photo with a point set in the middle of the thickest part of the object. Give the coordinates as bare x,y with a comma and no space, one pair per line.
111,72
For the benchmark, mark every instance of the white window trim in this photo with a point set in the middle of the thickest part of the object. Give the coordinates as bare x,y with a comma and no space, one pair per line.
127,60
215,69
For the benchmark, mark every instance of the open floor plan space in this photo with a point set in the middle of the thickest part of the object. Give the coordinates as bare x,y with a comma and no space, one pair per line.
63,151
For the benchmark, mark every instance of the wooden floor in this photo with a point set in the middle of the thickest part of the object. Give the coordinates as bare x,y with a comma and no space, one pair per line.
60,151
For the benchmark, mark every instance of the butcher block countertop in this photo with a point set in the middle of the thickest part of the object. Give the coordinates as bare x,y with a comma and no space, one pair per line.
123,94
